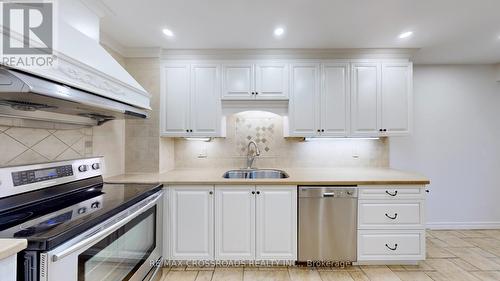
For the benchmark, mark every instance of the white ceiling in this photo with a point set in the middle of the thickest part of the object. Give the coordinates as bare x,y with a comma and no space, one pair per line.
446,31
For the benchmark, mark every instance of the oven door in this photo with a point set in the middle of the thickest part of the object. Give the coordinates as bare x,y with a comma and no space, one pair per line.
125,247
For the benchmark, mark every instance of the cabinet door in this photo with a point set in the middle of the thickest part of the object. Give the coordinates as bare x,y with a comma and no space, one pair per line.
304,106
335,100
235,222
238,81
396,98
192,219
276,223
205,99
174,100
365,95
271,81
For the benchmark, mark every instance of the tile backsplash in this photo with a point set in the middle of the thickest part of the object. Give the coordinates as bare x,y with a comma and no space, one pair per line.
261,129
30,145
266,129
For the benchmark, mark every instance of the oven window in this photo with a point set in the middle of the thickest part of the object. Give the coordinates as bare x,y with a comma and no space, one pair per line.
118,256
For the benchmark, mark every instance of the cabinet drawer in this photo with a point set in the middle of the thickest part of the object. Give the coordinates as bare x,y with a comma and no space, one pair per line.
403,214
392,192
391,245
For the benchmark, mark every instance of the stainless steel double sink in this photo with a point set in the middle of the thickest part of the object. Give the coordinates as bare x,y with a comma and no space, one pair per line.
255,174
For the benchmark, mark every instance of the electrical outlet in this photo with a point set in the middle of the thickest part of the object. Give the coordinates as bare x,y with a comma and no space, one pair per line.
203,152
355,153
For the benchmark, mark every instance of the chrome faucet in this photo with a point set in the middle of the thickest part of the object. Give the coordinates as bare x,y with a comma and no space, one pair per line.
251,156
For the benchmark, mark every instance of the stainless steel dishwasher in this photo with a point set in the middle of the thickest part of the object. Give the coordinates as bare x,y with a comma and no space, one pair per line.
327,223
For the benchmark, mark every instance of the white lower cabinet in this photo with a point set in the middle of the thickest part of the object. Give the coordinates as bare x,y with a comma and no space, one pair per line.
403,214
391,223
276,223
231,222
191,222
8,267
235,222
391,245
256,222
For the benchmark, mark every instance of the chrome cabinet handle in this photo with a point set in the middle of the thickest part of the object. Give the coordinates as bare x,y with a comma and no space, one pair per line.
392,249
328,194
392,194
392,218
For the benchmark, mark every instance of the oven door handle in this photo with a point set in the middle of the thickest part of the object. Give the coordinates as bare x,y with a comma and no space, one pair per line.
90,238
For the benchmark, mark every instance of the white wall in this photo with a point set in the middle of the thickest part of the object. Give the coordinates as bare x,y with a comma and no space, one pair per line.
498,72
456,143
109,141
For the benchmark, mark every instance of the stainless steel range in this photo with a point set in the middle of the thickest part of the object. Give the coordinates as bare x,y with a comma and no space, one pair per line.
79,228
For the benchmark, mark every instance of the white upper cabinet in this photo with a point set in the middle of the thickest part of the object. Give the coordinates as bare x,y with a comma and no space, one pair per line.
304,106
319,100
327,98
248,81
396,98
238,81
365,99
271,81
235,222
175,99
335,100
190,100
192,222
205,102
276,226
381,98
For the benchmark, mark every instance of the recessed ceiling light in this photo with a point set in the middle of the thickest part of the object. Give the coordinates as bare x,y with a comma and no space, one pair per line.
279,31
405,34
168,32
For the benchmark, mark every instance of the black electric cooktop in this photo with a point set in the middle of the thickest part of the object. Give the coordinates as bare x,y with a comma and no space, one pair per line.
52,216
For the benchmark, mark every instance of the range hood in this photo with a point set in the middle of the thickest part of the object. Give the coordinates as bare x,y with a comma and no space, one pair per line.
86,86
26,96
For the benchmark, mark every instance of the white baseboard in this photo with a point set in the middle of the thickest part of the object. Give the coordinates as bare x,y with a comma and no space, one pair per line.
464,225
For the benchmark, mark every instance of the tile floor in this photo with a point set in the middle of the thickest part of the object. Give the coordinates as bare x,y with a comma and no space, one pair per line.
452,255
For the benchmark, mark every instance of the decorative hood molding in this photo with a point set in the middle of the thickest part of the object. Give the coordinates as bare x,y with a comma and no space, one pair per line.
83,63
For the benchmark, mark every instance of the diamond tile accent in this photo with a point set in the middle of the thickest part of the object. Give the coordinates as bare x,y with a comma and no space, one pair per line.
10,148
50,147
79,146
69,137
68,154
258,129
29,156
27,136
22,145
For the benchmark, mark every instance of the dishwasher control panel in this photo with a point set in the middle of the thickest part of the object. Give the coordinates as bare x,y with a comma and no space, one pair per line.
327,191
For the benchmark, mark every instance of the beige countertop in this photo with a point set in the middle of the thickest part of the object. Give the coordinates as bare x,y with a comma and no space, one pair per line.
298,176
9,247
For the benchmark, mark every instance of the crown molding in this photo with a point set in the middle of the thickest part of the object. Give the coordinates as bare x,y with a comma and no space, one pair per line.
99,8
396,53
110,42
207,54
127,52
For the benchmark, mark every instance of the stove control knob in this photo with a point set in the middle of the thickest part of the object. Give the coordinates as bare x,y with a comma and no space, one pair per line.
95,205
82,210
83,168
95,166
